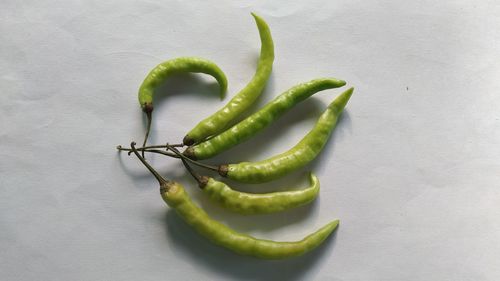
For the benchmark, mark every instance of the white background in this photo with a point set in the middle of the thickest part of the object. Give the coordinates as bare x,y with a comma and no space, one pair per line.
412,170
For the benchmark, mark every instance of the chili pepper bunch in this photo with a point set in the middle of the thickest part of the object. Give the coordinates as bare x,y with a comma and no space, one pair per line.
219,132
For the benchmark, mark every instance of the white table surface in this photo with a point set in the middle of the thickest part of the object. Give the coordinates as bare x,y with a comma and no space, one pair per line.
412,170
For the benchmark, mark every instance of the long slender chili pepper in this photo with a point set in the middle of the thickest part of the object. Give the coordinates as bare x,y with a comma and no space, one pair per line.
251,203
176,197
260,119
175,66
221,119
298,156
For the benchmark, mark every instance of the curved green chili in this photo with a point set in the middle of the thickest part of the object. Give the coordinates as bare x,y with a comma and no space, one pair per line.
175,66
260,119
221,119
176,197
298,156
251,203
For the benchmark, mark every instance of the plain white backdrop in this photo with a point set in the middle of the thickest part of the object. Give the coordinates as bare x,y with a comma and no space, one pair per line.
412,170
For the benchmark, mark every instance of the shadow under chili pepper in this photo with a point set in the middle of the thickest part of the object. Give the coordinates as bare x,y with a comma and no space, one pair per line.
200,252
181,84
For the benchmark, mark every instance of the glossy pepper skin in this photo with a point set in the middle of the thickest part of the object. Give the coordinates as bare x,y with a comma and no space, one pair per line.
221,119
251,204
260,119
298,156
176,66
177,198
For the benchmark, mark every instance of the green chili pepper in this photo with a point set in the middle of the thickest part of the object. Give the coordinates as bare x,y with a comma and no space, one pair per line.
261,119
176,66
251,203
176,197
298,156
221,119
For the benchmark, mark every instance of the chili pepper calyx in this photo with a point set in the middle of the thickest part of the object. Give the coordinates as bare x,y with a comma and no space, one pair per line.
223,170
147,107
188,141
203,181
164,188
189,152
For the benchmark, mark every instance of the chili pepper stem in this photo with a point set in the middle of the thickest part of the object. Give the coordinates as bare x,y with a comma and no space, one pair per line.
119,147
191,171
148,149
173,155
148,109
202,180
183,157
166,153
160,179
177,145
